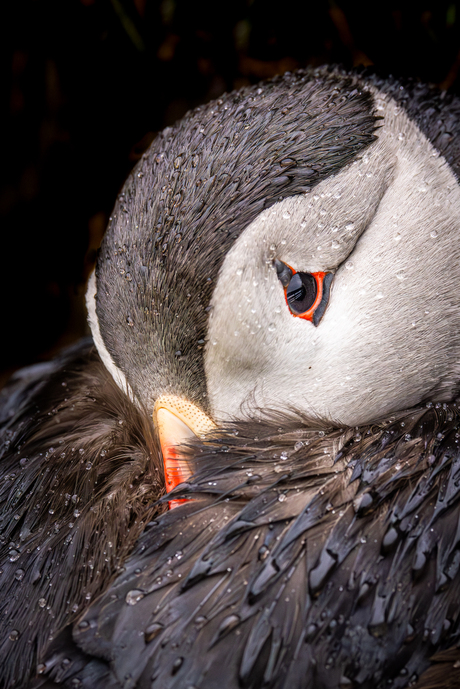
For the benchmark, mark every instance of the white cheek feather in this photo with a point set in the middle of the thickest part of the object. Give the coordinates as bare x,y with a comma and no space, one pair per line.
388,226
116,373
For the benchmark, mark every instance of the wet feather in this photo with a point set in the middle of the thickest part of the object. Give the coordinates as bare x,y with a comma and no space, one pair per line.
291,565
79,476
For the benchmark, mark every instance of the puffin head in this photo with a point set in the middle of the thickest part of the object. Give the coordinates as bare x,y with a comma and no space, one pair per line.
289,246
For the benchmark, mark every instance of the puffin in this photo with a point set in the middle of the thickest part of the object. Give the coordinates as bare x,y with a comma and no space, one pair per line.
249,476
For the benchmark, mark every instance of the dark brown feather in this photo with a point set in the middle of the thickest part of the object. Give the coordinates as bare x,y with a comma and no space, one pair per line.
444,673
79,473
289,568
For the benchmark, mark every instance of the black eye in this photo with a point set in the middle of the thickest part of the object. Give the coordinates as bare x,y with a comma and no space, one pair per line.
301,292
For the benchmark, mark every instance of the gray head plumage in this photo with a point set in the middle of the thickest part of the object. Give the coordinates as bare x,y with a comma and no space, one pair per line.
194,192
320,170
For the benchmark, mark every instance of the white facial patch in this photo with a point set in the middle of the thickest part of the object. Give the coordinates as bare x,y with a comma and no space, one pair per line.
387,225
116,373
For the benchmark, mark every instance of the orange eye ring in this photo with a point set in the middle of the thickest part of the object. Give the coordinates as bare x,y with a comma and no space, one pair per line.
320,285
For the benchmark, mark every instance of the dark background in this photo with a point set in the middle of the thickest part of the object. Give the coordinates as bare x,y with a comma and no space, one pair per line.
88,83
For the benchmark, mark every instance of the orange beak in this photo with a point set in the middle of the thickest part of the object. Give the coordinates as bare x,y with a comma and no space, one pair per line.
177,421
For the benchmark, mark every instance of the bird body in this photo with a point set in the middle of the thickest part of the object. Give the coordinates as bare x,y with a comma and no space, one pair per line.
279,275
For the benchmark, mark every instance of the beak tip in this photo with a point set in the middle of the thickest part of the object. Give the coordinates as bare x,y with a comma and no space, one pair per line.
177,421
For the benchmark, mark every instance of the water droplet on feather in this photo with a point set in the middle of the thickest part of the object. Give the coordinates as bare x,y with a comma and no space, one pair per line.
134,596
228,623
152,632
177,665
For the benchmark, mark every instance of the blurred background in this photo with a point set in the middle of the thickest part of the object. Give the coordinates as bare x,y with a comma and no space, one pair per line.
87,84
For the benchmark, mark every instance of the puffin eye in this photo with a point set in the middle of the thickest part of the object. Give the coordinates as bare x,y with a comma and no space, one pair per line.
307,294
301,292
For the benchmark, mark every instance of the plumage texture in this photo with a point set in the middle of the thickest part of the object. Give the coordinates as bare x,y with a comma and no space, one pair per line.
192,195
207,300
307,554
436,113
444,672
290,568
78,477
385,225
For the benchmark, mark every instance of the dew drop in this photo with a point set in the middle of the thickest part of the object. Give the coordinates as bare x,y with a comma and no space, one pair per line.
152,632
311,629
263,552
228,623
134,596
177,665
390,539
